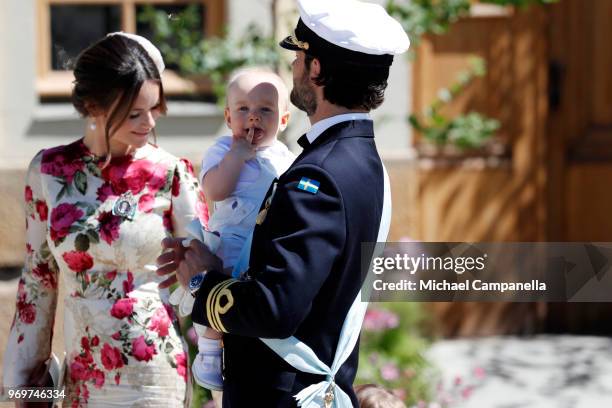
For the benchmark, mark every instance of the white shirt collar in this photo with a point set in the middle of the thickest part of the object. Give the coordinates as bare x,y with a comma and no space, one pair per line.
322,125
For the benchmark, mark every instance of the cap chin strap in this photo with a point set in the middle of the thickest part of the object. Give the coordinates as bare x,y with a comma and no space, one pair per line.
302,357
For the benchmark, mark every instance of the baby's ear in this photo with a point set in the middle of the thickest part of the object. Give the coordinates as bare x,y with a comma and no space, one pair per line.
227,116
284,121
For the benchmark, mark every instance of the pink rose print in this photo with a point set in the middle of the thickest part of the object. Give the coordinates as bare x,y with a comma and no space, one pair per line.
78,261
181,365
141,350
44,274
95,341
167,219
109,226
114,175
160,321
111,357
137,175
98,378
29,249
117,378
110,275
170,312
42,210
202,212
158,177
126,174
27,312
78,370
62,161
105,191
145,204
188,166
62,218
28,194
123,308
176,185
20,338
128,284
85,343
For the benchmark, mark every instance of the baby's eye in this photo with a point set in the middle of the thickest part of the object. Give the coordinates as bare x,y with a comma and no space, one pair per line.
266,109
243,108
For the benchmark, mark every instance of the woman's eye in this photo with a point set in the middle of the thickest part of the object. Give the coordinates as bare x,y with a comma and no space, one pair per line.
134,115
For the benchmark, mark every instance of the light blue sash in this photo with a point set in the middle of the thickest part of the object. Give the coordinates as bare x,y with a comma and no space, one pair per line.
300,356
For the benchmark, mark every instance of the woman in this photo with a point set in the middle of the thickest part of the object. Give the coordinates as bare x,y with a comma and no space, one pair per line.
97,210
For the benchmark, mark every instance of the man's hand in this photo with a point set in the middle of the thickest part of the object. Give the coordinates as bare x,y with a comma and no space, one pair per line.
187,262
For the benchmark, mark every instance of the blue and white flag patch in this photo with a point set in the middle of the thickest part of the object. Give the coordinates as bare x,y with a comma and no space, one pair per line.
309,185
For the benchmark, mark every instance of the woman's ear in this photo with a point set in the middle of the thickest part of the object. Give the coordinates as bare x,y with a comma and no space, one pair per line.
93,110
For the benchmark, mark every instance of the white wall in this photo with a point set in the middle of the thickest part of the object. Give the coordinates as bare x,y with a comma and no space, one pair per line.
17,76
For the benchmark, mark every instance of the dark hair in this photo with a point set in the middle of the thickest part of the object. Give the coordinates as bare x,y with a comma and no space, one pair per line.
113,70
350,85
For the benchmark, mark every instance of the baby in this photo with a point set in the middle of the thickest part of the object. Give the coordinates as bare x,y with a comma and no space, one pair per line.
236,174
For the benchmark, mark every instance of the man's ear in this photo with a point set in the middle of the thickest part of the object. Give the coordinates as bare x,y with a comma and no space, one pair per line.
315,69
284,121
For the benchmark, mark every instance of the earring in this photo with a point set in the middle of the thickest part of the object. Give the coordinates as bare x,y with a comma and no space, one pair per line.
92,126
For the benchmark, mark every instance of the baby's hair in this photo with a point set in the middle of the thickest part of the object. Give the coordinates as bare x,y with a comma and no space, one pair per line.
277,80
376,396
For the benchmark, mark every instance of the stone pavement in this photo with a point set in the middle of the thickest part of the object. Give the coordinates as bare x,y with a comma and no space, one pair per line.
527,372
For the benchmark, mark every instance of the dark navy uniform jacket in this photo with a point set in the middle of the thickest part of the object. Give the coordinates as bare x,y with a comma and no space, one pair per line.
304,270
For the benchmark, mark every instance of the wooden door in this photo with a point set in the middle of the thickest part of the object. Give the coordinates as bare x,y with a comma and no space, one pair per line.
580,141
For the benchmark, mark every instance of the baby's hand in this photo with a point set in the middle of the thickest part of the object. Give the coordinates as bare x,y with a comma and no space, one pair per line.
243,147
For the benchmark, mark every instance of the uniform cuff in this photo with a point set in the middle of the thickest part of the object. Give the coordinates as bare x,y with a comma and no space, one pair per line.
212,300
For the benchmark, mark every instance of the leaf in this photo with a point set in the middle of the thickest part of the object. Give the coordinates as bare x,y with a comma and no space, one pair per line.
93,236
80,182
168,347
81,243
62,192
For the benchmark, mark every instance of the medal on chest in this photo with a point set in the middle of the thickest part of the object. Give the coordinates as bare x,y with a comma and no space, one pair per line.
262,214
125,206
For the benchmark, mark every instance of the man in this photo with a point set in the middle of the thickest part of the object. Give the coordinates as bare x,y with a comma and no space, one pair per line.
305,259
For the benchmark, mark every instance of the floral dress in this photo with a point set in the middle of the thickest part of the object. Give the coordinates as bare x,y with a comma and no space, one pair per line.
122,341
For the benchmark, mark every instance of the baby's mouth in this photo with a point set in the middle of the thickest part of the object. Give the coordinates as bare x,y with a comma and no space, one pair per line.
257,133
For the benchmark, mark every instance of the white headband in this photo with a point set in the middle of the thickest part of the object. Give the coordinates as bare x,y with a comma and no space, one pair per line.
149,48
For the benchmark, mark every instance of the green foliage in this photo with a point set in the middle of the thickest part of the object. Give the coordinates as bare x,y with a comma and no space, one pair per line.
181,43
520,3
391,351
420,17
464,131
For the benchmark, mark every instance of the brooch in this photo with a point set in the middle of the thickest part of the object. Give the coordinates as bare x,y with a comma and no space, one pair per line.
125,206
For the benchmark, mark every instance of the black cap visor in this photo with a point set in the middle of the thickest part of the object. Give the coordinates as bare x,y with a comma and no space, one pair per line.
289,44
